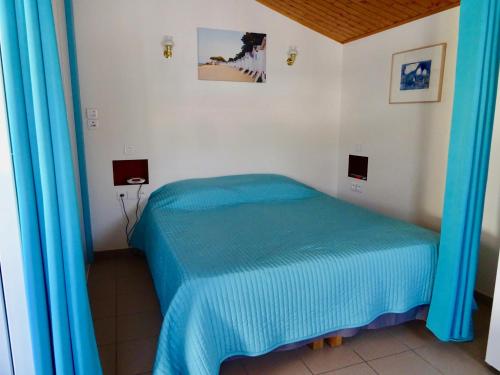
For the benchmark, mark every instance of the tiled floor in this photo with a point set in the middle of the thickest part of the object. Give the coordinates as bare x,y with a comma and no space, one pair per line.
127,321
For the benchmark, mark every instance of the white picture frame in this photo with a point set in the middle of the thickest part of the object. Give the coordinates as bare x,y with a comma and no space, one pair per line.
417,75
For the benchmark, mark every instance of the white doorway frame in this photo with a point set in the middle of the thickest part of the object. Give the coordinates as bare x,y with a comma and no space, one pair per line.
493,351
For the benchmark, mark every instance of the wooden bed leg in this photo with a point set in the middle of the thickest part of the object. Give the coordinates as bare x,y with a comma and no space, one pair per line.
317,345
334,341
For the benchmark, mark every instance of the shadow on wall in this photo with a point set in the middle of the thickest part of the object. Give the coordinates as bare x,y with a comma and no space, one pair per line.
430,181
428,196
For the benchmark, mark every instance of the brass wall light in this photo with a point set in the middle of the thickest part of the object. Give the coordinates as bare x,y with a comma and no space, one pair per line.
168,47
292,56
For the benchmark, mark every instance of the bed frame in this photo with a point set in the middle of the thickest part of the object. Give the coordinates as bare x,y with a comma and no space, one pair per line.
333,341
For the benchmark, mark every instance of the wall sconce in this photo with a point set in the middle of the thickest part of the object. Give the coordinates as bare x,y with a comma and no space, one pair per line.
292,56
168,47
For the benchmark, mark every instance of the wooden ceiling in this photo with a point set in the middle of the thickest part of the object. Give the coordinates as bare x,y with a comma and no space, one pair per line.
348,20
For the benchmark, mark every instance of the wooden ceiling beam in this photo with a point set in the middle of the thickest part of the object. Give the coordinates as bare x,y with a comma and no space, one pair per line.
332,34
377,7
348,20
428,13
365,13
403,11
317,21
330,16
346,14
412,5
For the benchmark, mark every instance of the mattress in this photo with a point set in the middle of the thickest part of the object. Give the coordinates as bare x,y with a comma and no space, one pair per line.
246,264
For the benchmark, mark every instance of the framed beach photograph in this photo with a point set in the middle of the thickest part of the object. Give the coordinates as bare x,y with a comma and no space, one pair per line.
417,75
225,55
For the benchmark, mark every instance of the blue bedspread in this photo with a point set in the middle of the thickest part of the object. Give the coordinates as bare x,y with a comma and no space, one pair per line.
245,264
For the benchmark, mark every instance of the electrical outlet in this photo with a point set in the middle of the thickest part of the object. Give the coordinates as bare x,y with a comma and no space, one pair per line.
121,195
92,124
357,188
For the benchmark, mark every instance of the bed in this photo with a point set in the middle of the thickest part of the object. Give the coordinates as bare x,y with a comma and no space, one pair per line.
244,265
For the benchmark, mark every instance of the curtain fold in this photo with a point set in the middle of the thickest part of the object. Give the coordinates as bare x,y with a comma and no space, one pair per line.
60,319
450,315
77,115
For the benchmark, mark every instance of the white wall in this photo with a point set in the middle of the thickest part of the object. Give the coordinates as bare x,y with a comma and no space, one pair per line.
190,128
407,144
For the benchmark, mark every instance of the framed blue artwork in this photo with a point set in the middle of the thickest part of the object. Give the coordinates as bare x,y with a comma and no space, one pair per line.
417,75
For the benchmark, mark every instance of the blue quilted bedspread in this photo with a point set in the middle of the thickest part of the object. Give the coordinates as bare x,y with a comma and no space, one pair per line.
245,264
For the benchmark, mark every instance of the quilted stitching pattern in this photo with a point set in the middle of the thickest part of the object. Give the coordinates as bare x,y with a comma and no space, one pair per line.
245,264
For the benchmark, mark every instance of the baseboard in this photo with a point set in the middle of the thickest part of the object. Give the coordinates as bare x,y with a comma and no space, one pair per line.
107,254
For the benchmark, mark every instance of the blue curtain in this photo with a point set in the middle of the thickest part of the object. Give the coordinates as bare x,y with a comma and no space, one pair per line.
450,315
77,115
60,320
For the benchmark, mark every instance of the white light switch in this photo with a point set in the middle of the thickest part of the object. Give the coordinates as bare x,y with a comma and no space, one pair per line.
92,114
129,149
92,124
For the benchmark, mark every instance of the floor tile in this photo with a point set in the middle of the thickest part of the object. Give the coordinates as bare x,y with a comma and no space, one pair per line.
476,348
234,367
374,344
134,303
101,288
138,326
407,363
277,363
134,284
136,357
413,334
102,269
129,266
123,286
107,353
328,358
450,360
105,331
361,369
103,307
